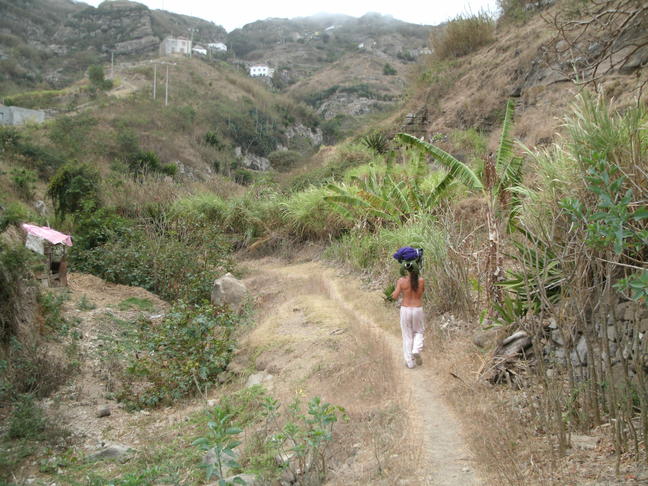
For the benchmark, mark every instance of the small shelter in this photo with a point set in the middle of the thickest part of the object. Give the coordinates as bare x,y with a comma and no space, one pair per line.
52,245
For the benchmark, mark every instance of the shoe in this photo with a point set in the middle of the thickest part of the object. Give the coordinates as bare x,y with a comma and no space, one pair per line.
410,366
418,359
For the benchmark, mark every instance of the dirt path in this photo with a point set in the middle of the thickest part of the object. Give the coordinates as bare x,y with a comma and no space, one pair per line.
445,459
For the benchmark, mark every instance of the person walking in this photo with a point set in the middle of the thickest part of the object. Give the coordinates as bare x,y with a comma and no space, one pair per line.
412,319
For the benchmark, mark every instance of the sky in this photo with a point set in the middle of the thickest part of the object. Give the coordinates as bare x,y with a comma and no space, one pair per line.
241,12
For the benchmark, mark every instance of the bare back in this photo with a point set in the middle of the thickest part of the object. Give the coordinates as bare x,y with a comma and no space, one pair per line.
411,297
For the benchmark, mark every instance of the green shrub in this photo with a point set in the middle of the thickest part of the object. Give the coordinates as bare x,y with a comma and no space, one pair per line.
71,133
388,70
14,214
15,282
284,160
23,180
97,78
176,257
27,420
74,187
463,35
185,351
309,215
203,208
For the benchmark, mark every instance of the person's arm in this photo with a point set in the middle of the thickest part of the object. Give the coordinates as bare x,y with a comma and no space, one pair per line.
397,290
422,285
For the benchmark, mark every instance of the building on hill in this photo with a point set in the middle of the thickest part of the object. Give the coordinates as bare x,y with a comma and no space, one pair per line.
217,46
14,115
173,46
261,70
198,49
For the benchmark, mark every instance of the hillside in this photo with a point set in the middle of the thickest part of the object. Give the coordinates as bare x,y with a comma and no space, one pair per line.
50,43
329,60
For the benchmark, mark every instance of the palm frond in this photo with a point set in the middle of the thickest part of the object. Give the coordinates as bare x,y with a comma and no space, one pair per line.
505,148
456,169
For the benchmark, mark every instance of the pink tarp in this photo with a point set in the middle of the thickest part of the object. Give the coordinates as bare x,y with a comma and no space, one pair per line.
48,234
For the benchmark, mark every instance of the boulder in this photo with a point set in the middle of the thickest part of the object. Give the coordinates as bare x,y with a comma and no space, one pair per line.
228,290
112,451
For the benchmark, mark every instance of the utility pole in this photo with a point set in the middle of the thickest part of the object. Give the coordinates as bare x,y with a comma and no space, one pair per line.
191,43
166,91
154,80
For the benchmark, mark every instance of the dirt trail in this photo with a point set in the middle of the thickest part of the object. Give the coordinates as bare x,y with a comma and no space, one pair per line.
445,457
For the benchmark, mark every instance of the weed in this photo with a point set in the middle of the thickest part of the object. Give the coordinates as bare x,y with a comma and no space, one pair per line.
179,356
136,303
85,304
219,445
27,420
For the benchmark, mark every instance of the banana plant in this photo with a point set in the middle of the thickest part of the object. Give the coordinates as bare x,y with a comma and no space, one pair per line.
501,178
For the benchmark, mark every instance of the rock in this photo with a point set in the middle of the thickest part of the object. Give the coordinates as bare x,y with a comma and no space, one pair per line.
315,136
256,162
485,339
611,333
583,442
259,379
210,458
112,451
556,337
212,403
102,411
579,355
227,290
250,479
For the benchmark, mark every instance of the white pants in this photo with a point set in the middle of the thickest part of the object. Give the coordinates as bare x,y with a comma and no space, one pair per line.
412,323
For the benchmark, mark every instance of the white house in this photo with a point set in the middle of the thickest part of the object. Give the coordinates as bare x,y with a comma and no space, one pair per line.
217,46
197,49
261,70
171,46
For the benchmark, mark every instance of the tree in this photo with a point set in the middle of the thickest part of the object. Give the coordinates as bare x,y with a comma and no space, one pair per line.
97,77
72,188
599,37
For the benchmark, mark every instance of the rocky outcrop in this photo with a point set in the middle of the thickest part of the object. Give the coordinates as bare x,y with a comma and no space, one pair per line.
315,136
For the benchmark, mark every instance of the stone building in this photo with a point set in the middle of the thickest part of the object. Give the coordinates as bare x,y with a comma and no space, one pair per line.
14,115
172,46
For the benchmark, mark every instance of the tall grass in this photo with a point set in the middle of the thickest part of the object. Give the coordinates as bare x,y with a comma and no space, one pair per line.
462,35
586,211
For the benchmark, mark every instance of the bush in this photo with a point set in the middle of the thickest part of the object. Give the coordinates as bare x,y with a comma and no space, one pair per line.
27,420
173,255
14,214
310,216
23,180
15,281
187,350
74,187
284,160
388,70
463,35
97,78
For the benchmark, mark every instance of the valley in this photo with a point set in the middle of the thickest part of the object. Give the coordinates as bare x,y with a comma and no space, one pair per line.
512,151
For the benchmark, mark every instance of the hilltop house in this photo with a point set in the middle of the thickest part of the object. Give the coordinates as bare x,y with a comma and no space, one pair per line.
14,115
172,46
198,49
261,70
217,46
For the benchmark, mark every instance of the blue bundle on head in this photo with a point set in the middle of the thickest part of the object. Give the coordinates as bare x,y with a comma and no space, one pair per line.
409,254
